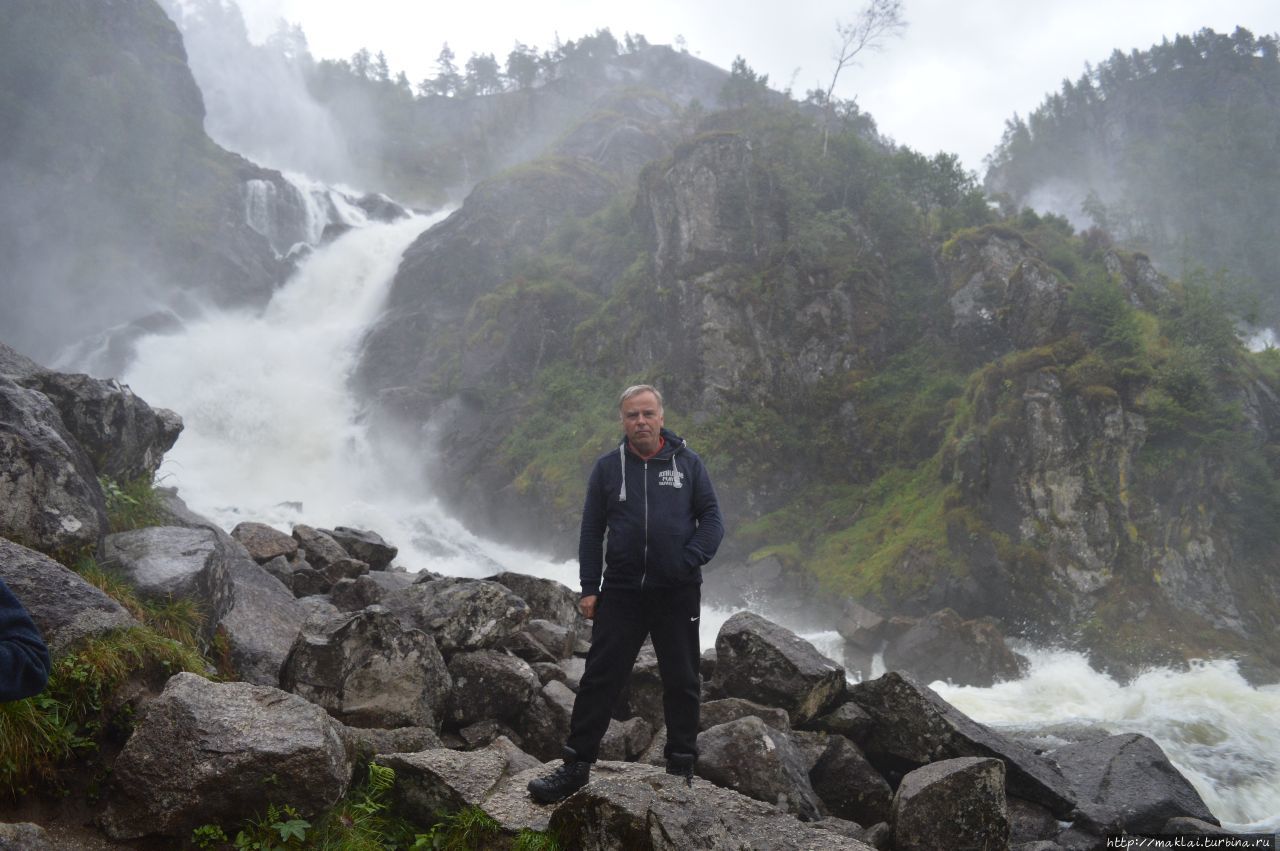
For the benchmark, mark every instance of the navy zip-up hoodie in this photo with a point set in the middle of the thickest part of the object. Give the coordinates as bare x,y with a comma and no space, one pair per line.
661,516
24,658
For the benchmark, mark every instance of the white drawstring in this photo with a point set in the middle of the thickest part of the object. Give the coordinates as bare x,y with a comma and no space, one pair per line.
622,459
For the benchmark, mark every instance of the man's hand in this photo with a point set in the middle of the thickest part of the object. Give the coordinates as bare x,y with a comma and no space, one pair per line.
587,605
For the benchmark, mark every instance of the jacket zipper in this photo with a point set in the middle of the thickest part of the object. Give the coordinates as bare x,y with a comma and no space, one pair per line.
644,571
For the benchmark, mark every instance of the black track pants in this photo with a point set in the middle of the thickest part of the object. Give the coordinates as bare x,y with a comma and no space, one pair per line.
623,619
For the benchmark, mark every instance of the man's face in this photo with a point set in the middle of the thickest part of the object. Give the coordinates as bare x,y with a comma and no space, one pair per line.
642,421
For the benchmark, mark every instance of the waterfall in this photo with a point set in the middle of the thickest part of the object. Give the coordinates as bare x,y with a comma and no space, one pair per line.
295,214
274,435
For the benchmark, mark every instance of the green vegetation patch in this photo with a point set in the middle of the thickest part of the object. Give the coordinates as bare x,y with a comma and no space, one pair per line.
904,513
180,619
570,418
77,709
132,505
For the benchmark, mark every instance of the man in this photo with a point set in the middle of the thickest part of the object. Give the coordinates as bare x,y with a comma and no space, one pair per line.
654,499
24,658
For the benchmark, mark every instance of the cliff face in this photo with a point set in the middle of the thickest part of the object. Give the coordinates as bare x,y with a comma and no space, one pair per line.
1079,509
715,220
1013,421
114,203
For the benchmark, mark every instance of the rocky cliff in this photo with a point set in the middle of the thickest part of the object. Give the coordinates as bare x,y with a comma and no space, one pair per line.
115,203
1010,420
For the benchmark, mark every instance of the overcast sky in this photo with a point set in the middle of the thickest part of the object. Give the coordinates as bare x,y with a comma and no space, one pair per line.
959,71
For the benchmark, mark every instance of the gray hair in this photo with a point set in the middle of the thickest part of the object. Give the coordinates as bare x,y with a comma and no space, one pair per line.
636,390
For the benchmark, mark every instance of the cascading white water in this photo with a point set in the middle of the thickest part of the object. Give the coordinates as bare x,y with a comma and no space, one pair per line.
1221,732
1261,339
273,435
296,214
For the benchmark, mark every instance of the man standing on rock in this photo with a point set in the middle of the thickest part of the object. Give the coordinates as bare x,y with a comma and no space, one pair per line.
654,499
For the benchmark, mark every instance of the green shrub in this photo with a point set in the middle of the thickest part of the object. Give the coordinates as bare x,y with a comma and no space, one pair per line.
132,505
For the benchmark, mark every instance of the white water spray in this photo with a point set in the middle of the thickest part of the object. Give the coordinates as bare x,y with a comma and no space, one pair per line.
272,432
1218,730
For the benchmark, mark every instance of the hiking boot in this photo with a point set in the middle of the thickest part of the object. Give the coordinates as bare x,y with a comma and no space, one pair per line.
561,783
681,765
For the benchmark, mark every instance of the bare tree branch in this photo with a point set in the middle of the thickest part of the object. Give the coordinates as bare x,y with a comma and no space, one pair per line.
878,21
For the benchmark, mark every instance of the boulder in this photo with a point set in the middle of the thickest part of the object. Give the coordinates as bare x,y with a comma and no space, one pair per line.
124,437
544,724
173,562
879,835
848,719
548,600
656,753
944,647
489,685
810,744
281,569
913,726
707,664
351,595
641,808
625,740
715,712
261,623
365,546
369,671
548,671
1029,822
1193,827
208,752
849,786
462,614
481,733
49,495
644,688
390,581
308,582
750,757
861,627
517,759
433,783
957,804
264,542
344,568
316,610
1125,784
769,664
62,604
528,648
25,836
558,640
573,670
363,744
319,549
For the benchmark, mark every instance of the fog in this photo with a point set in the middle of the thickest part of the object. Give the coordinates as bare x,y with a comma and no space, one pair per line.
256,99
66,270
949,84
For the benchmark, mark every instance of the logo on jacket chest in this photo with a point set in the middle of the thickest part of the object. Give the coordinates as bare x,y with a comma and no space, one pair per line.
671,478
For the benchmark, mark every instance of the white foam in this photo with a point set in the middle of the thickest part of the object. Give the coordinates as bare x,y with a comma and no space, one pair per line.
1217,729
